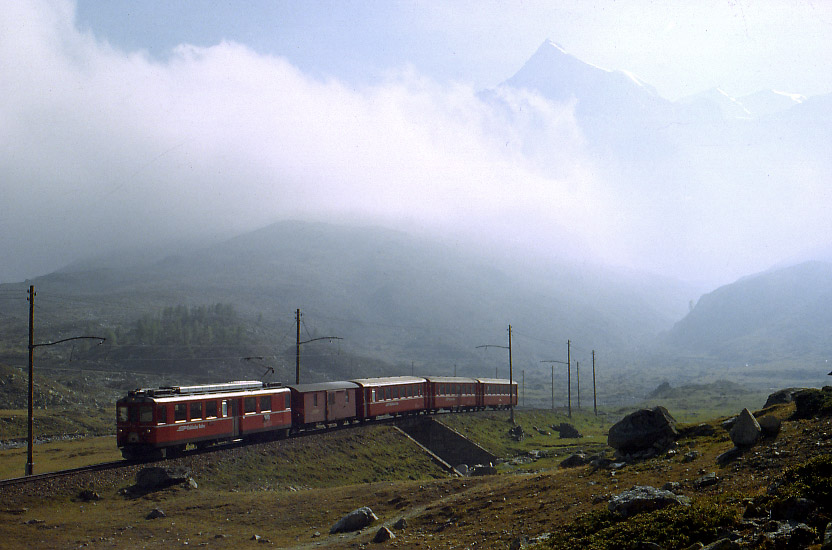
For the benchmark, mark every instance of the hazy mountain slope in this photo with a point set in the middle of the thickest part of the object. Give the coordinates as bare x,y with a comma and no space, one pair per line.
389,295
782,314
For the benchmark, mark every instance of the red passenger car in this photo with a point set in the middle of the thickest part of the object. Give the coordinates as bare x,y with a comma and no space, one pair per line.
161,422
324,403
451,393
496,393
395,395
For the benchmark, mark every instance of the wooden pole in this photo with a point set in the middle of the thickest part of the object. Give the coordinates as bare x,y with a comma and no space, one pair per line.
297,348
31,438
569,376
594,394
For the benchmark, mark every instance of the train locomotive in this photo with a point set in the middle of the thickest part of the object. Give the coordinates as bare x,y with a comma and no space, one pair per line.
162,422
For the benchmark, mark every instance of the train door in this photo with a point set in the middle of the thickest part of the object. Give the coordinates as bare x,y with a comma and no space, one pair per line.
235,415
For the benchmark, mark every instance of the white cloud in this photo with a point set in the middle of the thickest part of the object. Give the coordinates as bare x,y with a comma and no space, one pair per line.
103,148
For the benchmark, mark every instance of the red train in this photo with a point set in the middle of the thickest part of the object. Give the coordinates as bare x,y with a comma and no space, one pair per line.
161,422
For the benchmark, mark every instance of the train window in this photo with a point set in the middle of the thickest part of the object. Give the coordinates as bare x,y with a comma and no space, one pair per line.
331,398
314,399
410,391
372,395
161,414
146,413
210,409
346,397
196,410
288,402
388,393
122,414
224,408
180,412
250,405
265,403
395,393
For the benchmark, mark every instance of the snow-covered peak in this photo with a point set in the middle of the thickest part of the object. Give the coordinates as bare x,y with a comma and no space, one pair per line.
768,102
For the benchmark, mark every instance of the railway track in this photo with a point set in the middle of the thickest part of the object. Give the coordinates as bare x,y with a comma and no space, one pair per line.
116,464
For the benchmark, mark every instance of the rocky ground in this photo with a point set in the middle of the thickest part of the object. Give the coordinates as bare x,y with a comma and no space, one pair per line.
741,502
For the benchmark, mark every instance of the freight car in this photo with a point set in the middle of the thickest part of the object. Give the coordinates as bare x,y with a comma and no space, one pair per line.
161,422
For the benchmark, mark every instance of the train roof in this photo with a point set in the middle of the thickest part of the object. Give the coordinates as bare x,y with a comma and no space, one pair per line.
323,386
450,379
389,381
236,387
493,380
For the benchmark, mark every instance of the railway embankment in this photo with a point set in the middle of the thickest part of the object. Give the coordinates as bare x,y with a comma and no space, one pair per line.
448,444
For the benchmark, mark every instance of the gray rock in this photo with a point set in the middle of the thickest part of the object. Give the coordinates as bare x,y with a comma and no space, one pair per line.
154,477
574,460
462,469
729,456
722,544
643,498
155,514
792,508
517,433
384,534
790,534
643,432
746,431
483,470
782,396
706,481
519,543
401,524
690,456
827,537
672,486
770,425
567,431
355,520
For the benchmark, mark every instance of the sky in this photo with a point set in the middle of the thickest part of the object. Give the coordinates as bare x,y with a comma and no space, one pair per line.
133,123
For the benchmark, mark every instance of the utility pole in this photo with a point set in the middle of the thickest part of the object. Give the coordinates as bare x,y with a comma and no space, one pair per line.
553,387
298,343
594,395
523,377
31,436
510,379
297,348
569,374
512,395
578,381
31,298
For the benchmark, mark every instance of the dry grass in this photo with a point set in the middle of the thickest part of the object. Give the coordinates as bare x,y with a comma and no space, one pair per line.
443,513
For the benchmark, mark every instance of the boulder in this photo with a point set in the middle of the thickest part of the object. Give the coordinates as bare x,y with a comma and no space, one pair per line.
574,460
643,498
746,430
782,396
770,425
483,470
384,534
646,430
567,431
706,480
156,513
154,477
355,520
517,433
729,456
827,537
792,509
